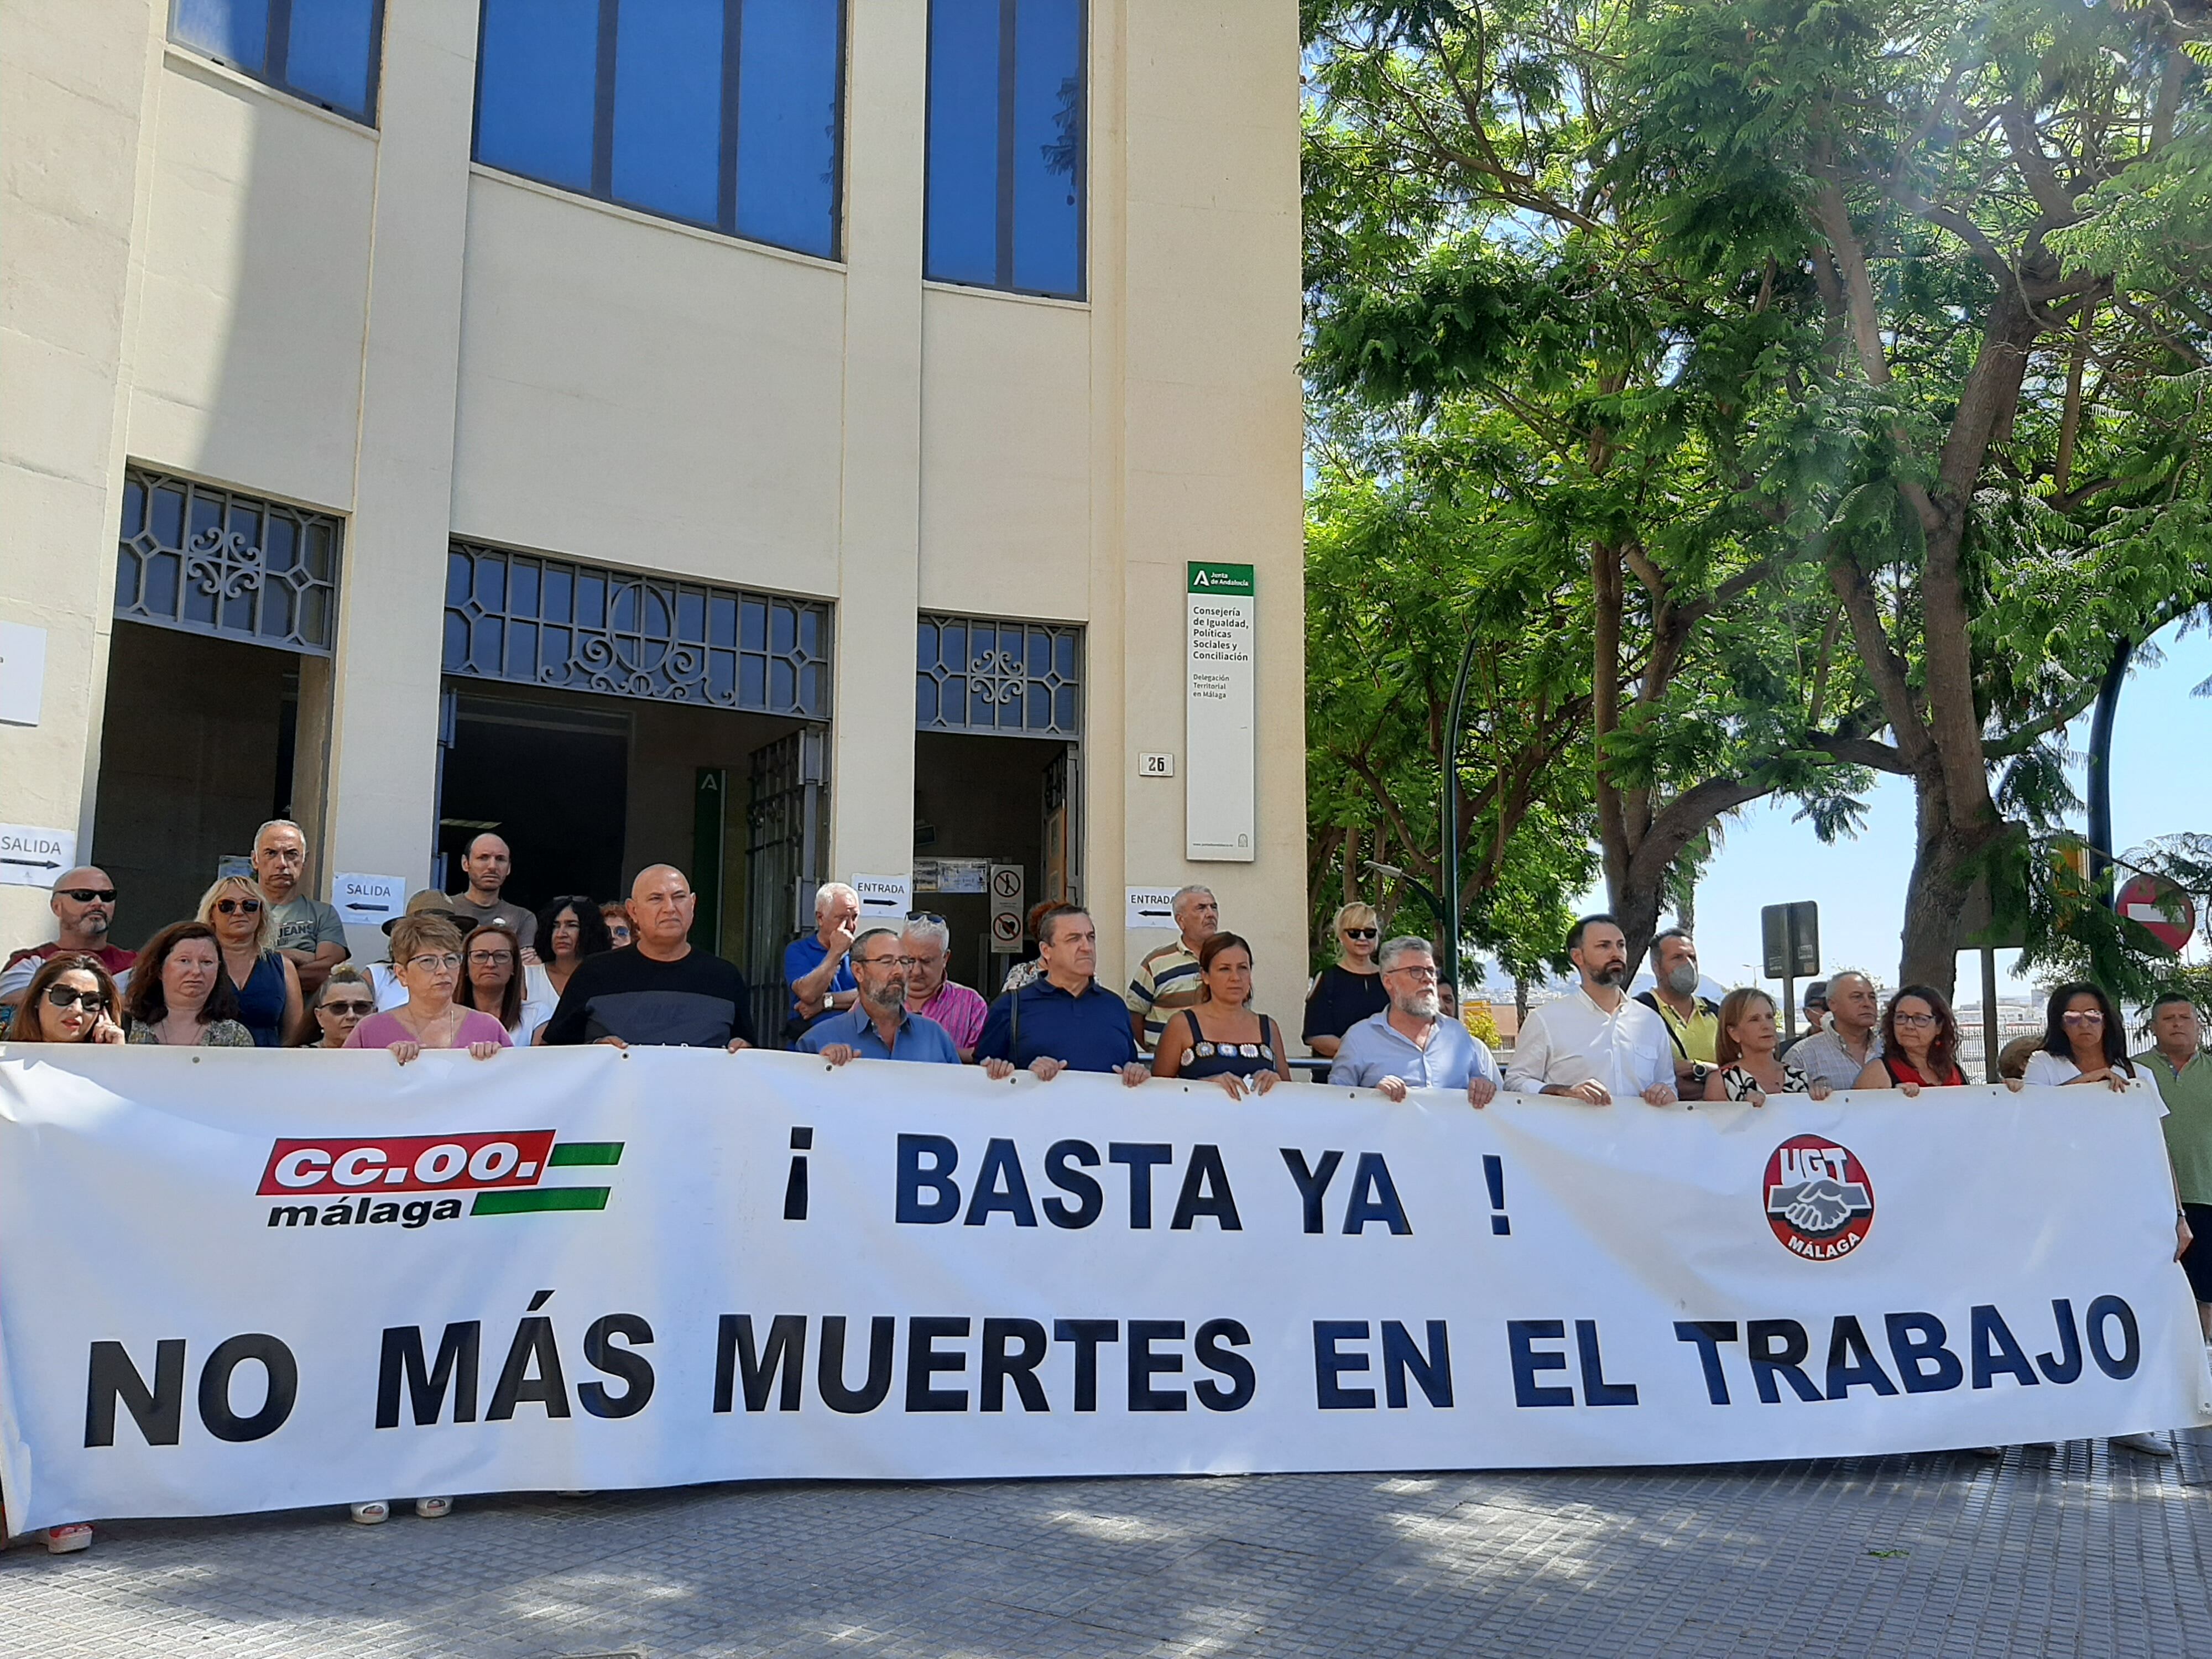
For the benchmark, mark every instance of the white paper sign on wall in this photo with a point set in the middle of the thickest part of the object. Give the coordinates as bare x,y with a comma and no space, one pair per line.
32,855
22,672
368,901
1151,906
883,898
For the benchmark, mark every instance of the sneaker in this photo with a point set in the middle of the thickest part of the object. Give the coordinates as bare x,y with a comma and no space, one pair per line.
2148,1444
371,1514
68,1540
433,1508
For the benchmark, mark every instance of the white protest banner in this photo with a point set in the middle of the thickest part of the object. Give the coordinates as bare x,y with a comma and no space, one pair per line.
234,1281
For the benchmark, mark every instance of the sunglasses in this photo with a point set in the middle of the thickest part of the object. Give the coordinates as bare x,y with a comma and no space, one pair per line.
348,1005
1360,932
923,916
65,996
89,895
233,907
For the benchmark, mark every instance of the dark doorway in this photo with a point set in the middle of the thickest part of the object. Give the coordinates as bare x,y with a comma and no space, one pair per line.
552,779
1005,800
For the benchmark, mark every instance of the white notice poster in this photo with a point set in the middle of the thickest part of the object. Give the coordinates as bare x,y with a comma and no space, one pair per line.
1218,788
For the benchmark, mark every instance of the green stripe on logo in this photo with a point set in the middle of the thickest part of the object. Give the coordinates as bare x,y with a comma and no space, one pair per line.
516,1202
584,1152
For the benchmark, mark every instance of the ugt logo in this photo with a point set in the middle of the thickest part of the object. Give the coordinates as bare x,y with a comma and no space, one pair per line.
1819,1201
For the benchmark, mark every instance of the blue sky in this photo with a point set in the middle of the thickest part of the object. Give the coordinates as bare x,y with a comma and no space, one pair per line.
2161,784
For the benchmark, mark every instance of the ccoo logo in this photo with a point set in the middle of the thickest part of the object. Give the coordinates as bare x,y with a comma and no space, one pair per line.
1819,1201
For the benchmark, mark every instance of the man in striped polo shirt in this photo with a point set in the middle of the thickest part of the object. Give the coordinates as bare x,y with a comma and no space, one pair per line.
1167,979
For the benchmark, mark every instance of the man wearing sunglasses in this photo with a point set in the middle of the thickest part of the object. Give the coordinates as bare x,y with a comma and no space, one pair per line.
83,904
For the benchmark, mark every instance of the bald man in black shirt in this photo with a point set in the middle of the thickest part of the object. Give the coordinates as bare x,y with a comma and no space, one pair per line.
658,991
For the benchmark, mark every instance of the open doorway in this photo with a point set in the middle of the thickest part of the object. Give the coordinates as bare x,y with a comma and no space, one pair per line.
550,778
982,800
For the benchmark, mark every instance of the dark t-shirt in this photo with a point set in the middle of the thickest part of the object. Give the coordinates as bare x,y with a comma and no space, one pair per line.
697,1001
1341,999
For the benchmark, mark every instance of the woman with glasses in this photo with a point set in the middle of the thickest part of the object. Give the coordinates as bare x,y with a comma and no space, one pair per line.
2082,1041
347,999
69,999
616,913
1350,990
180,995
569,930
427,952
492,981
268,986
1223,1037
1919,1045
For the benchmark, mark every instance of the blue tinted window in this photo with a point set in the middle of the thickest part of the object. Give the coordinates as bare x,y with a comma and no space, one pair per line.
722,112
329,52
1048,159
668,107
787,119
325,51
963,142
1006,136
536,75
236,31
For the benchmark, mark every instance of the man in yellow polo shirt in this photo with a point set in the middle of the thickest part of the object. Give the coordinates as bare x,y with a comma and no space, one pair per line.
1692,1021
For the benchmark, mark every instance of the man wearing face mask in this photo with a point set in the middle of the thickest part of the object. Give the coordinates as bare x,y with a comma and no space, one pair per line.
1693,1023
1595,1044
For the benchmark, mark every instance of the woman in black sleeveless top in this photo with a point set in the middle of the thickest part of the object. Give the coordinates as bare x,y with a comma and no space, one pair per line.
1223,1037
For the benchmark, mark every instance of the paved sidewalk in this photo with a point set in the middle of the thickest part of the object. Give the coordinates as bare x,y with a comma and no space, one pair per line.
2085,1551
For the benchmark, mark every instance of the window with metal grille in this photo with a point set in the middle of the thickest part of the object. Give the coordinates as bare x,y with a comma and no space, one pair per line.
210,561
980,674
547,621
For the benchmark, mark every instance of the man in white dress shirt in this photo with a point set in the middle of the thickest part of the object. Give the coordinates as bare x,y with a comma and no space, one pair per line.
1597,1044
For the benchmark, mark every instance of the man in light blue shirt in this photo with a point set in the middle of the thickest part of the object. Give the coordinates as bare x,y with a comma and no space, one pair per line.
879,1026
1409,1044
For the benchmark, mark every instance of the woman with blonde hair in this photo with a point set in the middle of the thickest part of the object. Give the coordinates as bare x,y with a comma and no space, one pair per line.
1746,1065
269,1005
1350,990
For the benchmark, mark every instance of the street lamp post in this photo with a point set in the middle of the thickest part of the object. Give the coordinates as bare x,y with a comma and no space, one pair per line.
1451,898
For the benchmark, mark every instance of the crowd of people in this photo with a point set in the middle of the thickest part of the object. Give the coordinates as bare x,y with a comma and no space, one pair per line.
265,964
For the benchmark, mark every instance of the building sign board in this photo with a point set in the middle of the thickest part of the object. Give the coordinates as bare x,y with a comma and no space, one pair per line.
364,900
32,855
883,898
1217,712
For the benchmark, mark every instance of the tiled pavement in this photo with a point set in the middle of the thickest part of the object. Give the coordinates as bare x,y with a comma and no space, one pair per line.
2085,1551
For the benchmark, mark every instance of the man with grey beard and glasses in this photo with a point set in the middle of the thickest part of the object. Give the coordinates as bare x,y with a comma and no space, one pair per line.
1595,1044
1692,1022
1410,1044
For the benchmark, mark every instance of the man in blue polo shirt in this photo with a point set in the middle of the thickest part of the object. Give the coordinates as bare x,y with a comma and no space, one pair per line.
1064,1020
815,965
1411,1044
879,1027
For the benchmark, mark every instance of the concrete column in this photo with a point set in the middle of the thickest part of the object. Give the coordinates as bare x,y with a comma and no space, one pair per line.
384,750
872,787
78,86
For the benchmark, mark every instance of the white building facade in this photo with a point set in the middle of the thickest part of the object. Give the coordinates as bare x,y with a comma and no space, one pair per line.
774,437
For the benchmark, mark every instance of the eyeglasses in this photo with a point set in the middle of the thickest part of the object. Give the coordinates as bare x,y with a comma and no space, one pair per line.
346,1006
430,963
1914,1020
489,958
1359,932
915,962
1417,973
68,996
2082,1016
89,895
233,907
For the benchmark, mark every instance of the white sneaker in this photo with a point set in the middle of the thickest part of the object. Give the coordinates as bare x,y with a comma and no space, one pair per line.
68,1540
371,1514
433,1508
2148,1444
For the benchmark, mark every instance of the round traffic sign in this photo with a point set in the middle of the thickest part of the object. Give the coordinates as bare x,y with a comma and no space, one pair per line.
1006,927
2160,908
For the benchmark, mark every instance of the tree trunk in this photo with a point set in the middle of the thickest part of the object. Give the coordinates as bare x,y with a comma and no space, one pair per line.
1944,866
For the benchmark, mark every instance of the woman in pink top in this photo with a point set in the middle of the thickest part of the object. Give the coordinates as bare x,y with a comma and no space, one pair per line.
426,952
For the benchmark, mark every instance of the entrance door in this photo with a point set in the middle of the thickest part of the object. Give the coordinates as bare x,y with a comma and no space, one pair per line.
551,779
784,817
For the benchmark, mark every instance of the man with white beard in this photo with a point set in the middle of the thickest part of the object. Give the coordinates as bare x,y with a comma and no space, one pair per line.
1596,1044
1409,1044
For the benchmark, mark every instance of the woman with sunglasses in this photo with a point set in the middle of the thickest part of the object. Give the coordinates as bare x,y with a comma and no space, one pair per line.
69,999
179,994
616,913
269,1005
492,981
2082,1041
427,951
347,999
1350,990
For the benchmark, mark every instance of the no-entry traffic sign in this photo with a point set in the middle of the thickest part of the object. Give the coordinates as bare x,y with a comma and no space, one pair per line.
2158,906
